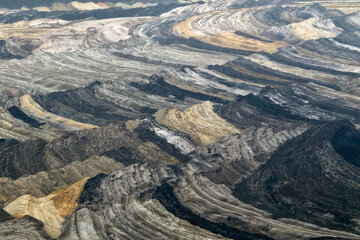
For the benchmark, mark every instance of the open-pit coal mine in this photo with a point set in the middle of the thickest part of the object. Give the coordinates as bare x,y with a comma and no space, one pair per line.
179,119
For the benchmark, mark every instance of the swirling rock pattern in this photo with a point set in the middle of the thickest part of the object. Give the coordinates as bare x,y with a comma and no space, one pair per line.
129,202
26,128
114,140
176,119
339,147
44,183
192,194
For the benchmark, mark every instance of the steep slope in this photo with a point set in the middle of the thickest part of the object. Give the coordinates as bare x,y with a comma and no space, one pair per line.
215,119
15,124
101,103
128,211
21,228
114,140
265,126
234,157
174,203
52,209
43,183
31,108
199,121
313,177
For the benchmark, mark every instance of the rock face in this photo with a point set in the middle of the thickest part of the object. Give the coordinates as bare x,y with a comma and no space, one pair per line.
15,124
101,103
217,119
165,195
43,183
51,210
128,206
31,108
180,201
306,183
199,121
113,140
21,228
217,28
232,158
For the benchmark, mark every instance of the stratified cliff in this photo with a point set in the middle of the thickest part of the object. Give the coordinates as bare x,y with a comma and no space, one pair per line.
147,119
313,177
21,228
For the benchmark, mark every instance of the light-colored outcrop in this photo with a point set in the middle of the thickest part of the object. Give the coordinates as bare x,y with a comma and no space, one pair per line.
204,197
239,78
200,122
88,34
346,6
48,35
13,128
315,28
30,107
75,5
128,212
29,29
43,183
52,209
218,28
111,208
87,6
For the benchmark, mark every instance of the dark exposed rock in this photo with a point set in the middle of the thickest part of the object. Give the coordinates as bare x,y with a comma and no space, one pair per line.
17,113
78,104
97,14
310,179
5,53
281,75
165,195
232,158
21,228
4,216
158,86
256,111
17,159
92,104
90,186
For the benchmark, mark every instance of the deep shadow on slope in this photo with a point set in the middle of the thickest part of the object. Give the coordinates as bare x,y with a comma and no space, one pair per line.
165,195
115,140
314,177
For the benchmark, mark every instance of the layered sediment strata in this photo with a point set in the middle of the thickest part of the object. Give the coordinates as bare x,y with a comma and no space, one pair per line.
51,210
114,141
31,108
192,195
14,124
232,158
21,228
219,29
250,84
334,156
48,35
313,28
43,183
206,199
346,7
29,29
199,121
101,103
129,199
